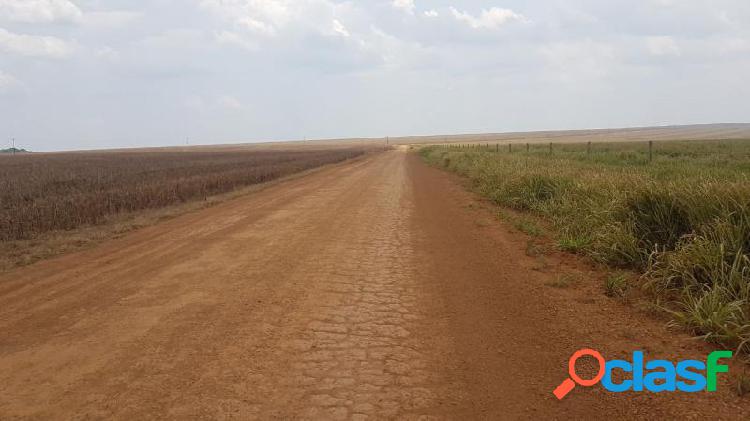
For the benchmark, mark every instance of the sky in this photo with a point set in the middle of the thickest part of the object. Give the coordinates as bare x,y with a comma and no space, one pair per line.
89,74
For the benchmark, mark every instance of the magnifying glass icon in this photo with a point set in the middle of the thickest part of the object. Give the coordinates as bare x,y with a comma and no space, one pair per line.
570,383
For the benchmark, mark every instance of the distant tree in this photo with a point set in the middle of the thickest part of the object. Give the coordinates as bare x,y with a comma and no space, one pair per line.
13,150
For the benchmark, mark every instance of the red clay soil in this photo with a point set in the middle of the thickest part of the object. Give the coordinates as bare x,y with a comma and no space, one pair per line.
378,288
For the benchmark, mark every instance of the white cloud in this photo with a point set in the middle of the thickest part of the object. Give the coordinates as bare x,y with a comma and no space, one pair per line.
574,61
319,32
34,46
107,54
236,39
488,19
405,5
662,46
340,29
110,19
431,13
256,26
39,11
7,82
259,19
264,17
174,39
734,46
229,102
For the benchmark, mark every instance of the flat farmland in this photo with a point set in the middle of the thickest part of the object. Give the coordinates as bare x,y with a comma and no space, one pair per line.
44,194
374,288
632,134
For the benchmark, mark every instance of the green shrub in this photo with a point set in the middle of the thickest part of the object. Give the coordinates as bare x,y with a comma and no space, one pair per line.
528,192
715,316
615,244
616,285
658,218
572,243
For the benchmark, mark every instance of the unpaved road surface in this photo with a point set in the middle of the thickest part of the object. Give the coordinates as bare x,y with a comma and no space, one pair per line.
377,288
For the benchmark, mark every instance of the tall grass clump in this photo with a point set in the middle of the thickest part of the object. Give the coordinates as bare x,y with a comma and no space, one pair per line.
682,220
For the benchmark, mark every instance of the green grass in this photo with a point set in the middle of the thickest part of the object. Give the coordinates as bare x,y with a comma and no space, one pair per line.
616,285
528,227
682,219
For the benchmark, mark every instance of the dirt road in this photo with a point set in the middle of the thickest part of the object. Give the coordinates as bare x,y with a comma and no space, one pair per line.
374,288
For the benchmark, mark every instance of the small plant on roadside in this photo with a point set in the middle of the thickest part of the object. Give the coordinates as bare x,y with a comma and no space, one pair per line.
715,318
527,226
616,285
572,244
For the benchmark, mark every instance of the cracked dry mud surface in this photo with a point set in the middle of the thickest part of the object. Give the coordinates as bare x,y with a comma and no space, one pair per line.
367,290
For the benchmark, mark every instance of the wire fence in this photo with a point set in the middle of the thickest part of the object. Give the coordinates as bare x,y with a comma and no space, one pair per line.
510,147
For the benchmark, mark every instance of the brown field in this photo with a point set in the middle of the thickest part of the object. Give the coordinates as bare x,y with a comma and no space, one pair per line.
51,197
633,134
692,132
663,133
42,193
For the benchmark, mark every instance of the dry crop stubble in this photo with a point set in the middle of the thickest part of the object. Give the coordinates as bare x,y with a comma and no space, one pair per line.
50,203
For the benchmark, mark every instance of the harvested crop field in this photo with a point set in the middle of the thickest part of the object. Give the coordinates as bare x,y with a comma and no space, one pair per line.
51,204
42,193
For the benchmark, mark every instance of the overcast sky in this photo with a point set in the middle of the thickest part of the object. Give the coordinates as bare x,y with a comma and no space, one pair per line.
117,73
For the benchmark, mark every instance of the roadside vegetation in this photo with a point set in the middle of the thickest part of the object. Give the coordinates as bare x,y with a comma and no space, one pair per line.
680,217
46,196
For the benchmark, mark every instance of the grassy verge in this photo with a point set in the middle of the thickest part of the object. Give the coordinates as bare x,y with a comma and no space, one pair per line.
681,219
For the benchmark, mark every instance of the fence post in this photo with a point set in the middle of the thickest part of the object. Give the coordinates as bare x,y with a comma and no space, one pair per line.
650,150
588,148
510,147
527,148
550,147
497,147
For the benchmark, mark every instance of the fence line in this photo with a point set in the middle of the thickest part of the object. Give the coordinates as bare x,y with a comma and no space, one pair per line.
589,146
